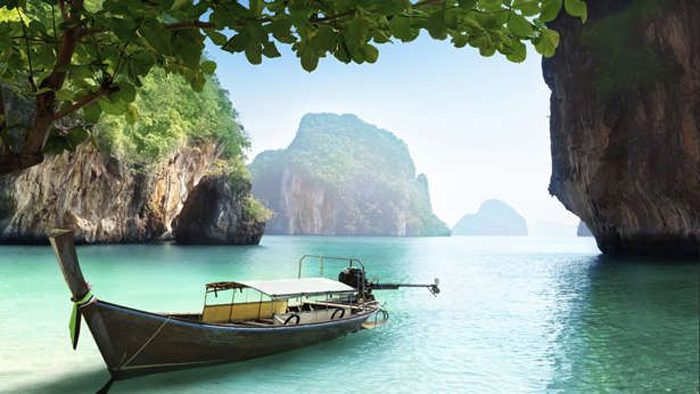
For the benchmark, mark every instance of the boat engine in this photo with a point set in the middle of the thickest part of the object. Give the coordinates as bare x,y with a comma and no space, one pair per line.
355,278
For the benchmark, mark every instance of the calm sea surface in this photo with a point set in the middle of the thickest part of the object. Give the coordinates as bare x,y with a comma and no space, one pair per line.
514,315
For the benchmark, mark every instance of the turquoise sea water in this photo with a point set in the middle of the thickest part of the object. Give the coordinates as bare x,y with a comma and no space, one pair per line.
514,315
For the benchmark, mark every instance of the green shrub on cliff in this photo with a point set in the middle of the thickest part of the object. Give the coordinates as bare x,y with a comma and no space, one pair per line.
168,114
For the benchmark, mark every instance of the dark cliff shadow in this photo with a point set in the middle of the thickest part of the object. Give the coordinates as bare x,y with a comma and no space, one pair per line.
630,325
675,261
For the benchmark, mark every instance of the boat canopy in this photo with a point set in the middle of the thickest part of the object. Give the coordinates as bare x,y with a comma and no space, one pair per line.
285,288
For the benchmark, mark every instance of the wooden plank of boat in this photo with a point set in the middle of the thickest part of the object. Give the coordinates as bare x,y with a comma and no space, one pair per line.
148,342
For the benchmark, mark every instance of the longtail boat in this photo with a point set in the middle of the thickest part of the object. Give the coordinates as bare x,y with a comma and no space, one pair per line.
257,318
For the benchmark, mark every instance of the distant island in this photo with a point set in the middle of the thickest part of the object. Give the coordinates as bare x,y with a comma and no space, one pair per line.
343,176
494,217
583,230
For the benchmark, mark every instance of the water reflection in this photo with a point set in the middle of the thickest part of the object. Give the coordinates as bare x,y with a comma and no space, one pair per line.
627,325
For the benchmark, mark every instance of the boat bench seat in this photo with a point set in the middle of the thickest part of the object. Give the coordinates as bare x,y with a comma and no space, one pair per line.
220,313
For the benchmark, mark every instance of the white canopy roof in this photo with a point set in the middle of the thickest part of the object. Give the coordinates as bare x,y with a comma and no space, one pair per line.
293,287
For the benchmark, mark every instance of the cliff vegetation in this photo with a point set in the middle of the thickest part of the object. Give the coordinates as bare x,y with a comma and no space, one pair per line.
343,176
133,179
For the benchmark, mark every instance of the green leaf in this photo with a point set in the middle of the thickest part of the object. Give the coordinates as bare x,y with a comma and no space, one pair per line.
436,26
42,91
76,136
466,4
491,5
237,43
547,43
460,40
550,10
527,7
208,67
518,52
112,107
253,53
371,53
270,50
520,26
131,114
56,144
189,44
157,36
64,95
356,32
485,45
309,59
126,92
576,8
92,112
342,55
324,39
197,81
79,72
400,27
216,37
282,30
177,4
141,62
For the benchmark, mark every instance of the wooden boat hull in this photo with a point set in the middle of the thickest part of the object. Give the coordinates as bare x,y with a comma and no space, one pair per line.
134,342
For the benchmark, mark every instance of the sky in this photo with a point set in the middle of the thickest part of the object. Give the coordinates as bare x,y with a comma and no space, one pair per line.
477,127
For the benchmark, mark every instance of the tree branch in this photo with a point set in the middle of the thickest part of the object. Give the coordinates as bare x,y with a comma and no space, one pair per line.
62,7
29,51
325,19
7,149
85,101
428,2
45,102
53,21
189,25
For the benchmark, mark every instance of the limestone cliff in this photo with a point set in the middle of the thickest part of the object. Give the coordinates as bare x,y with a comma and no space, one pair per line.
583,231
625,124
218,211
99,197
102,199
342,176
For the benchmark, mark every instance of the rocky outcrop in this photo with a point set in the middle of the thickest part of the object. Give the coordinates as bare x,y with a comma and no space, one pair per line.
217,212
342,176
100,198
583,230
494,217
625,124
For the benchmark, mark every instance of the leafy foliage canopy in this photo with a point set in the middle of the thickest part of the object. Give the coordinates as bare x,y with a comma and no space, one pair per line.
92,55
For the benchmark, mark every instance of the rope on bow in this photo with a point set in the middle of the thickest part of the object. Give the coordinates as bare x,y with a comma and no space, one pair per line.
74,323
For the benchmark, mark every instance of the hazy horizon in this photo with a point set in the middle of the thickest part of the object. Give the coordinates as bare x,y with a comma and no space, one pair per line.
477,127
